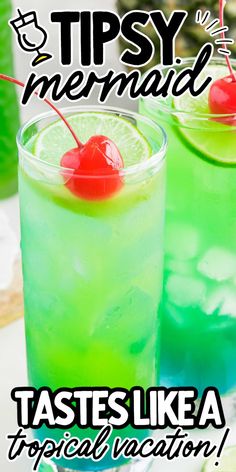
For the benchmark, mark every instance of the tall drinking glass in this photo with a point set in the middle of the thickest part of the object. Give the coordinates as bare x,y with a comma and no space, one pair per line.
92,269
9,112
199,300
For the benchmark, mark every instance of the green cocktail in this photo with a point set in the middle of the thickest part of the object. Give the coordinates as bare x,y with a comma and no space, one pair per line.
92,269
199,299
9,114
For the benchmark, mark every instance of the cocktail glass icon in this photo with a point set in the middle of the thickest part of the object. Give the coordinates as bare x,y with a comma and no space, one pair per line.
31,37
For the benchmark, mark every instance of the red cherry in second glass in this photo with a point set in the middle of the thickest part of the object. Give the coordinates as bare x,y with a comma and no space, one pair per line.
222,99
96,166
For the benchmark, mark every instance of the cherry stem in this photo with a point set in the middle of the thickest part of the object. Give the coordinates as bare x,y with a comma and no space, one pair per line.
17,82
222,6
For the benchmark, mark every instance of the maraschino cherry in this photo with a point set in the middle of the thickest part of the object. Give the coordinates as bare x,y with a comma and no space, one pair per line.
222,95
96,164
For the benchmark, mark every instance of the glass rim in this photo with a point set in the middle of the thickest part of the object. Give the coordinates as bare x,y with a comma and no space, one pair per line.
155,161
177,111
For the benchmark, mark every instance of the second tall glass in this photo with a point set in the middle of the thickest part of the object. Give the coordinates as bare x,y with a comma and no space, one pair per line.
199,299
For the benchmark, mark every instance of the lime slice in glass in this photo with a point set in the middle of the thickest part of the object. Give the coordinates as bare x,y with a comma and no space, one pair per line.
55,139
227,462
215,141
199,104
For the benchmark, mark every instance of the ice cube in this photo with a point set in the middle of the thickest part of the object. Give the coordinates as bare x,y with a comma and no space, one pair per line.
185,291
179,266
218,264
222,301
182,241
133,313
228,306
79,267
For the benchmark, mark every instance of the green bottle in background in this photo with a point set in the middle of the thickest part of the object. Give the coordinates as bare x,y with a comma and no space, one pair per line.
9,113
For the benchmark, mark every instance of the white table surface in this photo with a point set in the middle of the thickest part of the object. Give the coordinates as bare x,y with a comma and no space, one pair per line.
13,374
